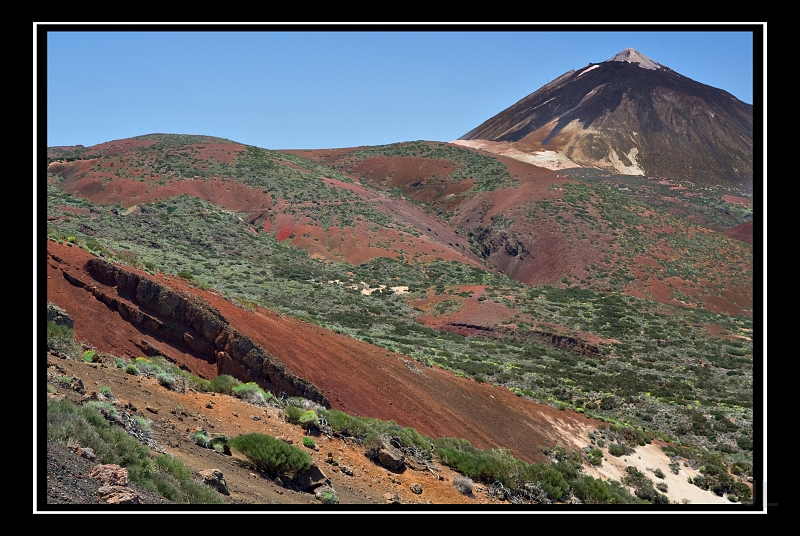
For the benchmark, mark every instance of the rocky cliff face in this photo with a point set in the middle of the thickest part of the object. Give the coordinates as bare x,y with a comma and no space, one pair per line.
187,322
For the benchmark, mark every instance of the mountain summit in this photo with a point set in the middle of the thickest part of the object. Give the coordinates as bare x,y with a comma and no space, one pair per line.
628,115
630,55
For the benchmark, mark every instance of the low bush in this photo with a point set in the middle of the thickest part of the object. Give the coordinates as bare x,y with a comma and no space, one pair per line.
595,456
309,442
271,455
224,383
107,410
643,486
309,420
463,484
252,393
616,449
165,379
292,414
328,497
201,438
595,491
62,339
172,479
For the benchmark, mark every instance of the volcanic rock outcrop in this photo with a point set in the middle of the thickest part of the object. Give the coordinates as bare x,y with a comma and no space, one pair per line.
188,322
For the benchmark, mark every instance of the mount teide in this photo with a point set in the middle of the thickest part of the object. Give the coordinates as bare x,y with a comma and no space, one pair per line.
628,115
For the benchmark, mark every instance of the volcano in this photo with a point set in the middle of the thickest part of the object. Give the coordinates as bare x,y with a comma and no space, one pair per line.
628,115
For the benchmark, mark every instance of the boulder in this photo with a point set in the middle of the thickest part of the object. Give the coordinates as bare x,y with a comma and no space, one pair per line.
311,479
214,478
83,452
390,457
59,316
118,495
110,474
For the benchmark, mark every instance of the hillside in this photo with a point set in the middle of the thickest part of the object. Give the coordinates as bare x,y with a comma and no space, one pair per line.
447,289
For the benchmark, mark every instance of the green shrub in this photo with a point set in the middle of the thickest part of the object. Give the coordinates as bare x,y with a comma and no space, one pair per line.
131,369
172,479
89,356
201,438
224,383
549,479
105,390
271,455
119,363
86,425
143,424
186,275
65,380
107,410
595,456
198,493
488,465
328,497
309,442
62,339
618,450
309,420
252,393
173,466
292,414
643,486
742,468
595,491
166,380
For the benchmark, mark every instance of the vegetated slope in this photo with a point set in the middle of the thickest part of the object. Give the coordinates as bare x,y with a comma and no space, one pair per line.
623,316
291,198
633,118
353,376
651,238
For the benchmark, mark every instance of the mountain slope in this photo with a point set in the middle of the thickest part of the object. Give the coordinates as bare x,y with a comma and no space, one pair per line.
617,297
633,116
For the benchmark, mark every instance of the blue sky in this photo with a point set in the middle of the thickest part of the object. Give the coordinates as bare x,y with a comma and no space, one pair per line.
320,89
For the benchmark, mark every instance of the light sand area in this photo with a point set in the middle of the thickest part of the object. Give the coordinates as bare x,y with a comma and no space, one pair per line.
652,457
546,159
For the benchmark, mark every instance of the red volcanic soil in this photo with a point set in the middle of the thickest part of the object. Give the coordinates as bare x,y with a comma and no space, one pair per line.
356,377
437,237
106,188
743,232
470,310
322,156
736,200
119,146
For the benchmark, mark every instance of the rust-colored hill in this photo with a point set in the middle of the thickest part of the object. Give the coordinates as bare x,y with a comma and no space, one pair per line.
355,377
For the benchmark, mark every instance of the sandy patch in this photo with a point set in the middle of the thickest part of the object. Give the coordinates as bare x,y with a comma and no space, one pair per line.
652,457
546,159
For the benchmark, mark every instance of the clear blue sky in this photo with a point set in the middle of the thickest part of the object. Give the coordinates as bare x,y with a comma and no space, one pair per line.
321,89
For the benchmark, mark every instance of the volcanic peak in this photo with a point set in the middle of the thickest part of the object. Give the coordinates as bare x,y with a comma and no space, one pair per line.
634,56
